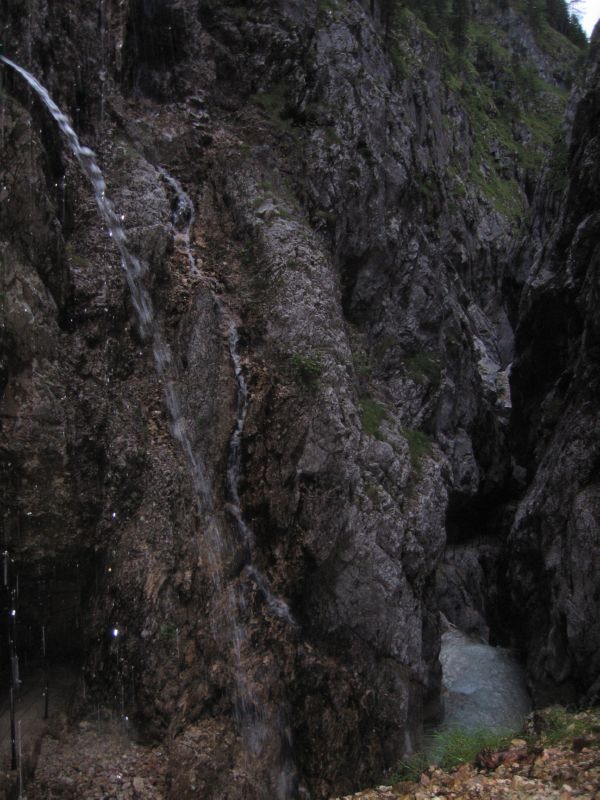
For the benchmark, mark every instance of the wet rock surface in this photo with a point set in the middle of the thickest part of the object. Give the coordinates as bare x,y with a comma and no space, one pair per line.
337,226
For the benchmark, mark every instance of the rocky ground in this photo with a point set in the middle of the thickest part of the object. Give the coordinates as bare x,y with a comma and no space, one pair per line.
532,767
97,760
558,757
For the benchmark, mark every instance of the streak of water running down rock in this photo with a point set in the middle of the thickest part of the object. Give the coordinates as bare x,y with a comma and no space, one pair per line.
276,606
183,219
257,726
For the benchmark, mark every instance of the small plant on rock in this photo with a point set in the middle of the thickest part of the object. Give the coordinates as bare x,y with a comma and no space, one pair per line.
306,369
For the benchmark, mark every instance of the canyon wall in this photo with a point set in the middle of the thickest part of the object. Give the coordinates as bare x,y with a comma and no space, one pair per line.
360,199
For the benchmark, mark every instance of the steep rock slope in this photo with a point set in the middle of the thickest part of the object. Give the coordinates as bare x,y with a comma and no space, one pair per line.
355,202
554,541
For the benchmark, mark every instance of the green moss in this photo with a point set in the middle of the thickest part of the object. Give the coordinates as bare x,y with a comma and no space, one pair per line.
372,415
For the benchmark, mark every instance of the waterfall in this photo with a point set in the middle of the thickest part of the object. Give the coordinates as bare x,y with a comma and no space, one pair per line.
484,687
183,219
256,723
276,606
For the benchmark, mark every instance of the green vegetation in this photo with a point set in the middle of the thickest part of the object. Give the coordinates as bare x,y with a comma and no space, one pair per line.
550,727
248,254
419,446
274,103
75,257
168,630
558,165
306,370
503,96
331,136
424,368
557,724
452,17
513,113
362,364
371,415
372,492
449,748
332,6
271,102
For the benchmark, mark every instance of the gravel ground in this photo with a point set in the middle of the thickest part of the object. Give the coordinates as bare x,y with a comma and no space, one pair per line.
97,761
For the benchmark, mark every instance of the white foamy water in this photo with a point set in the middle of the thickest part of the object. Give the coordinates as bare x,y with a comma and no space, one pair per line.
484,687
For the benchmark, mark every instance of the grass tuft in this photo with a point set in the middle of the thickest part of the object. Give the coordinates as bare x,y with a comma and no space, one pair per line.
306,370
371,415
449,748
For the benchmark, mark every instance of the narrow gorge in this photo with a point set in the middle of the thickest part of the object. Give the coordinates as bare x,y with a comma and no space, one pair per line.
315,386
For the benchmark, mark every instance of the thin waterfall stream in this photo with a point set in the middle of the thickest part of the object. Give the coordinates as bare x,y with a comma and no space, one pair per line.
257,725
183,218
276,606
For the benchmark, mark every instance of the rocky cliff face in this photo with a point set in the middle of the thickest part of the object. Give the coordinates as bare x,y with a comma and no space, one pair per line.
553,543
357,199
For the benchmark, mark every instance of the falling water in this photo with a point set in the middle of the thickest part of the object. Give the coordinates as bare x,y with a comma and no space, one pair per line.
234,455
134,273
484,686
183,219
276,606
256,724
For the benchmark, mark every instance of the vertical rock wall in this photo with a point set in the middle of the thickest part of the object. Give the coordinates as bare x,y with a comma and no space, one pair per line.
344,220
